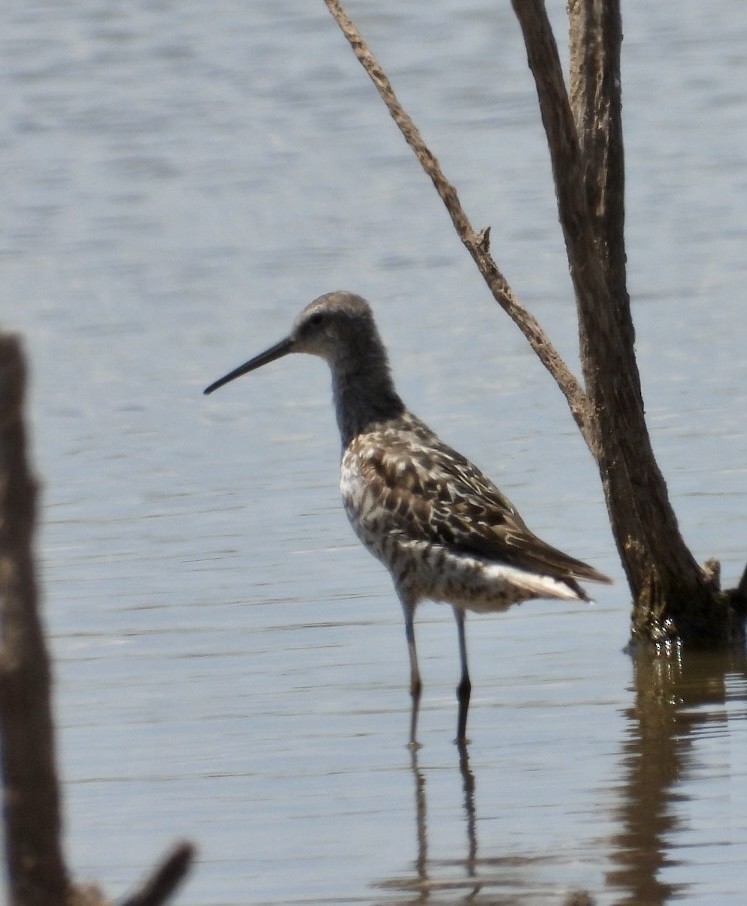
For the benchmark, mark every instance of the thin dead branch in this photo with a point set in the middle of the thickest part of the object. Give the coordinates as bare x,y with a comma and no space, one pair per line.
476,242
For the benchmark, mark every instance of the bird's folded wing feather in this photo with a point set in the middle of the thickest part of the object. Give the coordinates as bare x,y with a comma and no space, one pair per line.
442,498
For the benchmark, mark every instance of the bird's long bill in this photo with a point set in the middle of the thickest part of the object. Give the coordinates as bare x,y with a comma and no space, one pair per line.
269,355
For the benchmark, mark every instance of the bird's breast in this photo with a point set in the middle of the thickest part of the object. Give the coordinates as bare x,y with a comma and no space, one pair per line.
367,502
359,496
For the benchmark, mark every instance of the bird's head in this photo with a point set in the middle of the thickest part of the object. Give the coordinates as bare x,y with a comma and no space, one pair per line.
339,327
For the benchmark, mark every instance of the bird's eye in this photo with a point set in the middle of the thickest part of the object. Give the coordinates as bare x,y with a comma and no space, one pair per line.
316,319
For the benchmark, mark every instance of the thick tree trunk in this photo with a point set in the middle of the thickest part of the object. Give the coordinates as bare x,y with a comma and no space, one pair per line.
673,596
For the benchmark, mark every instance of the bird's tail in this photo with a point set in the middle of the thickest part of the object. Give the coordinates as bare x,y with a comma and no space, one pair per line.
539,586
496,586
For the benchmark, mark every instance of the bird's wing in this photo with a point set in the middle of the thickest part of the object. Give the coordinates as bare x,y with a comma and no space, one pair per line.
443,498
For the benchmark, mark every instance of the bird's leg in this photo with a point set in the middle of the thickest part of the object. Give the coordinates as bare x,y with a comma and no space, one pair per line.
413,743
465,686
416,684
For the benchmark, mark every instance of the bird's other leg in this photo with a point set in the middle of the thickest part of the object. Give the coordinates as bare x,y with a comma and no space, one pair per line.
464,688
416,685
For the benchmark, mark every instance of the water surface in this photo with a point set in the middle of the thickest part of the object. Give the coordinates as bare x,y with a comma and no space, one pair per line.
230,665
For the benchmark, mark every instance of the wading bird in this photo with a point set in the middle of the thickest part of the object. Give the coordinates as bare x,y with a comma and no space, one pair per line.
442,528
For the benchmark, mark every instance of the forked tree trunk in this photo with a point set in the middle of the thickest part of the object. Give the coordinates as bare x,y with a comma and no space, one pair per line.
673,596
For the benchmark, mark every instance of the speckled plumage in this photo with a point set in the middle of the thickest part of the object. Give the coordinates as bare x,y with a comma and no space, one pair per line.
440,526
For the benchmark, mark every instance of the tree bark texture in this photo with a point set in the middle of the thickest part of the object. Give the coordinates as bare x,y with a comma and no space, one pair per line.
673,596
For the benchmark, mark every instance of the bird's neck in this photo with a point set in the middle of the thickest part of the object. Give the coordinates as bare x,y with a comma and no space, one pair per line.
364,394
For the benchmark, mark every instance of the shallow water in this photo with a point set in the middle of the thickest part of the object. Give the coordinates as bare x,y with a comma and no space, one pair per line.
230,664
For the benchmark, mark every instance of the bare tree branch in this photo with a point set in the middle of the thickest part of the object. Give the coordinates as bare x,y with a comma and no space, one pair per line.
565,156
476,243
595,38
36,869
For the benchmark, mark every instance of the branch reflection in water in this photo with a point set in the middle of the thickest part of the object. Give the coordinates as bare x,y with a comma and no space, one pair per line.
686,702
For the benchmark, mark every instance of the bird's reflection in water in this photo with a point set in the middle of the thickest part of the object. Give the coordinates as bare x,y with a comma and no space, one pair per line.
432,880
466,877
680,702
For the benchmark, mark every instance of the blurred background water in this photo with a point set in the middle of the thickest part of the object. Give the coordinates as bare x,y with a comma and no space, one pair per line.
178,180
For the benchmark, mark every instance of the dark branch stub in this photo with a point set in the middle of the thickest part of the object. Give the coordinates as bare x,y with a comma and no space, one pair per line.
166,877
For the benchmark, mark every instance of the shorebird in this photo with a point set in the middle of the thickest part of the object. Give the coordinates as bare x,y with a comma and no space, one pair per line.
439,525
